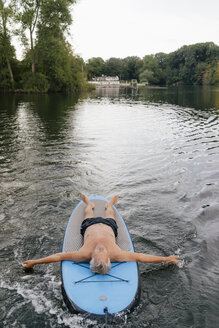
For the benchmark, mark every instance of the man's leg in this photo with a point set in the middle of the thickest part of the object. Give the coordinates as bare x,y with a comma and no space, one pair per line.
89,213
109,212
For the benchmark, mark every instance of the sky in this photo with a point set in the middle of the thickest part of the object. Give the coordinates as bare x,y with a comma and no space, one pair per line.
122,28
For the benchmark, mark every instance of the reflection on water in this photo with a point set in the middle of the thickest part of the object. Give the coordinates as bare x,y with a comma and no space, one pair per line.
193,97
158,149
186,96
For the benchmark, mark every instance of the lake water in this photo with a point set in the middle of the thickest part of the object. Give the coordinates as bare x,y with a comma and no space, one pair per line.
158,149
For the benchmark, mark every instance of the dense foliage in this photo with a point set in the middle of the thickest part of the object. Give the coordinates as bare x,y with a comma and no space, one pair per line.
49,63
126,69
194,64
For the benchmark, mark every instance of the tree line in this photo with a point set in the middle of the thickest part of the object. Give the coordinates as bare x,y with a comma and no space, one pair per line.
49,63
194,64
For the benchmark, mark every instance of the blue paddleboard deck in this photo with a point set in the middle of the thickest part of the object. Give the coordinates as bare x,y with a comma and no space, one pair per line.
87,292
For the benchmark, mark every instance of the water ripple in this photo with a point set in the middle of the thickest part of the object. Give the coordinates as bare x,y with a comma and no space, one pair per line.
160,156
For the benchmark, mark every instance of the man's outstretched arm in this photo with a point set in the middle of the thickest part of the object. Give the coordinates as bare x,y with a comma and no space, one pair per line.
71,256
146,258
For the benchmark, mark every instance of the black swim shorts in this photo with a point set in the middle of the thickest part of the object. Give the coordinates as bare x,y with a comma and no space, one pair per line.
88,222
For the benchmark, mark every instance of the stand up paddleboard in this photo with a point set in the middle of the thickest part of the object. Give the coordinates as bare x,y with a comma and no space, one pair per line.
87,292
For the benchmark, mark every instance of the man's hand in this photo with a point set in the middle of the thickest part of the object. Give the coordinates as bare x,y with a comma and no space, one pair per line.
28,264
172,259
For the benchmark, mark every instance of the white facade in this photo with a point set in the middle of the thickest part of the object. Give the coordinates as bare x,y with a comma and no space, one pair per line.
105,80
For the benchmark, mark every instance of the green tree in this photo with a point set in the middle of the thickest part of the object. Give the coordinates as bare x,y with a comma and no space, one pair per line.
199,72
162,59
55,54
113,67
7,51
216,74
131,68
95,67
151,70
29,16
57,69
190,64
78,73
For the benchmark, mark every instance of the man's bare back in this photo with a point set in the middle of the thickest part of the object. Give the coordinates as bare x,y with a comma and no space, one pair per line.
100,248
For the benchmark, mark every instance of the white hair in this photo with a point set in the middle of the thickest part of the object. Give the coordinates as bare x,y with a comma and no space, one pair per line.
100,267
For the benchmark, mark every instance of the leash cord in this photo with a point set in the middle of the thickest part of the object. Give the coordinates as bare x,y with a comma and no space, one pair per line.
105,310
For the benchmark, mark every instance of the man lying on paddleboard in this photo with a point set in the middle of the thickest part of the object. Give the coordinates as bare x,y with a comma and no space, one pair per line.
100,248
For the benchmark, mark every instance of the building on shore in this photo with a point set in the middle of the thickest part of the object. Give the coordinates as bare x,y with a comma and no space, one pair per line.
106,81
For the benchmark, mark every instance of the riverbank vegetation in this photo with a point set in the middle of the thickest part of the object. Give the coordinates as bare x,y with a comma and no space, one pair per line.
49,63
189,65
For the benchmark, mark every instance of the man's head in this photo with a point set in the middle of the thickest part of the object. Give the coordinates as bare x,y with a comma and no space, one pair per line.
100,262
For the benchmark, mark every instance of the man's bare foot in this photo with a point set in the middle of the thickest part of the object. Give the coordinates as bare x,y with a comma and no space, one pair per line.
87,201
113,201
